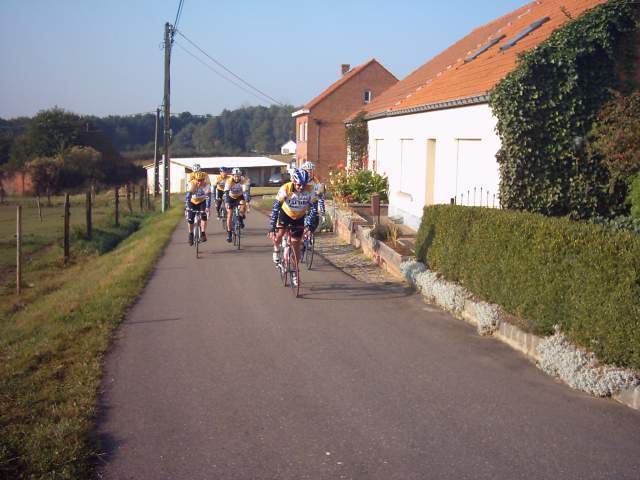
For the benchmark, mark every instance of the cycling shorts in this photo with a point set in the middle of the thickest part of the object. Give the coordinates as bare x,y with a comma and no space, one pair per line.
192,209
297,225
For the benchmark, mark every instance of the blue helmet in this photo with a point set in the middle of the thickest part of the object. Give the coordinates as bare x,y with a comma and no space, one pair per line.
300,176
225,170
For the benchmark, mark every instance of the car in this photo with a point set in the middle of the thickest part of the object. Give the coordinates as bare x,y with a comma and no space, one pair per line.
278,178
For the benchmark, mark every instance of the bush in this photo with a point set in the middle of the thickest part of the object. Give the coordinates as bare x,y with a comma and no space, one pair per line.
547,271
357,186
634,197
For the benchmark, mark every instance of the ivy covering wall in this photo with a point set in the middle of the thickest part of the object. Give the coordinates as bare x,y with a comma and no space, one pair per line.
547,105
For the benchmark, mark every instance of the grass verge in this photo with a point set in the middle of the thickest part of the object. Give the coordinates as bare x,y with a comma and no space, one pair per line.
51,352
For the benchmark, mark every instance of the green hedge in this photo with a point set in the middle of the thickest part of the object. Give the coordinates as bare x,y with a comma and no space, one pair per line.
546,271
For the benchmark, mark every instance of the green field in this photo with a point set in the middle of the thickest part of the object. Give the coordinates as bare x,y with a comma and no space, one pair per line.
37,234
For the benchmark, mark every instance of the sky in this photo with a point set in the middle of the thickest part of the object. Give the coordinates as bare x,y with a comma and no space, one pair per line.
105,57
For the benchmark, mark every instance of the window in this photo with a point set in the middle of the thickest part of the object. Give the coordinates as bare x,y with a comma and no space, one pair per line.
306,125
367,96
406,157
301,133
524,33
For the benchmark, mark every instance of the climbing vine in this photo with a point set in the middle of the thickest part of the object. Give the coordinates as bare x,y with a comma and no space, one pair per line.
357,138
547,105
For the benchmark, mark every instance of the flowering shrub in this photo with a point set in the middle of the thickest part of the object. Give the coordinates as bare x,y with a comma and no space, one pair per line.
356,185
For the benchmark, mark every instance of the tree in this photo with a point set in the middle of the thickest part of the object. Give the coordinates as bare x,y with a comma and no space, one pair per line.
45,172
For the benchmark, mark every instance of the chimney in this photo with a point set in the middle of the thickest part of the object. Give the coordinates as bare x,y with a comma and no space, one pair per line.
345,68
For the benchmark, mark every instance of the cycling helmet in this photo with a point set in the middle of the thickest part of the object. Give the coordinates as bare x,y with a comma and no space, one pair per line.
308,166
224,169
196,167
200,175
300,176
236,171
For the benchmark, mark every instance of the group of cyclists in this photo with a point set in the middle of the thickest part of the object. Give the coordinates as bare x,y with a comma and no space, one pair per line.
298,204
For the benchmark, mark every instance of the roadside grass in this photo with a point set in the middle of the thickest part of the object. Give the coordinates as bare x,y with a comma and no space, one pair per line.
257,191
51,350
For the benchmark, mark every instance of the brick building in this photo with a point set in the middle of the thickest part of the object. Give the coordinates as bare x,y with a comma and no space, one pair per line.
320,127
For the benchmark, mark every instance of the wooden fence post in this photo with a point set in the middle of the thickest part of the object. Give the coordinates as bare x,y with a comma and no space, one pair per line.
141,197
129,205
117,207
67,213
87,204
39,207
18,248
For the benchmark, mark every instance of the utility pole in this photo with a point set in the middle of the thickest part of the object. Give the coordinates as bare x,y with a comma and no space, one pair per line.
168,40
156,162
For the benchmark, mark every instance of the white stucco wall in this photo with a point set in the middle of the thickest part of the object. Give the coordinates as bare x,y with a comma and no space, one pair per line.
178,178
465,148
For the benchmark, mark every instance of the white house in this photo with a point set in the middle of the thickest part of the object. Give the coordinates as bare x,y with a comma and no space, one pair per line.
288,148
259,169
433,133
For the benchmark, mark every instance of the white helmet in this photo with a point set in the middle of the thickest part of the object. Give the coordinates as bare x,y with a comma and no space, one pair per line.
308,166
196,167
236,171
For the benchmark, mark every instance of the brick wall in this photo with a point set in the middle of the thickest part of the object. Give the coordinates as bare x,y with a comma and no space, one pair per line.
18,184
326,119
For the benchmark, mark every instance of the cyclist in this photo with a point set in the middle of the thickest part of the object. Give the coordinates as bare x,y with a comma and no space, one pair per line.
295,206
195,168
236,192
221,179
198,198
318,188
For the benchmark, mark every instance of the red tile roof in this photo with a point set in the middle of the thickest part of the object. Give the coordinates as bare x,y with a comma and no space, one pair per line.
344,79
447,77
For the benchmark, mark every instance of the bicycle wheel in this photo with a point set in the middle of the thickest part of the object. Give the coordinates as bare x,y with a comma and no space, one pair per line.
281,267
294,268
310,250
238,230
196,238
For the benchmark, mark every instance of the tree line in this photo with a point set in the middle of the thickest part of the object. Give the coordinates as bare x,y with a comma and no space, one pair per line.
245,131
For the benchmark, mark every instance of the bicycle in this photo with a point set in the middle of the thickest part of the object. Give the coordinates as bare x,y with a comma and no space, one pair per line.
222,216
197,230
308,248
288,265
235,226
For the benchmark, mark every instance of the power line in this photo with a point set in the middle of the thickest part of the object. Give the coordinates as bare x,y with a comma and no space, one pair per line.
229,71
221,75
178,14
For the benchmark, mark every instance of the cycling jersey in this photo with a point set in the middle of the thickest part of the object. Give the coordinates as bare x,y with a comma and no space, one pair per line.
295,204
197,195
192,178
221,179
237,190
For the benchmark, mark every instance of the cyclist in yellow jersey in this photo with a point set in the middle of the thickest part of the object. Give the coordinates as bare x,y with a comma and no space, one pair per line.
198,198
236,192
195,169
219,183
295,206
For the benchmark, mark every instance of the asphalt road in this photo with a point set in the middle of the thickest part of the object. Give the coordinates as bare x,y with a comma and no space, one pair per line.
219,373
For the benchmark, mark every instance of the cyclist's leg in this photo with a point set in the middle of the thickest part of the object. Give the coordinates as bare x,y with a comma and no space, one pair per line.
218,201
203,222
190,217
297,230
230,207
243,212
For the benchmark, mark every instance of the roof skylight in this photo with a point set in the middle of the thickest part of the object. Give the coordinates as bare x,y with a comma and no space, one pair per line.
484,49
524,33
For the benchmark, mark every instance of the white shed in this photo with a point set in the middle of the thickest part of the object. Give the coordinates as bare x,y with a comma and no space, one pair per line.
288,148
259,169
